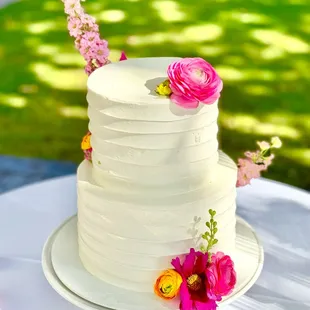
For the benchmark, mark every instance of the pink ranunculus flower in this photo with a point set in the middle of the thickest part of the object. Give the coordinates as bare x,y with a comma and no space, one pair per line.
193,80
221,276
193,290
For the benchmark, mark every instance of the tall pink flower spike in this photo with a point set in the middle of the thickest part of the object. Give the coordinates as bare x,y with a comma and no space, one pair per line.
84,29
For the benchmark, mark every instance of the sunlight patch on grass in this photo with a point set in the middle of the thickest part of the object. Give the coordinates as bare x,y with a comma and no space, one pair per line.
43,27
209,50
111,16
58,56
257,90
52,6
305,23
13,100
272,52
28,88
245,17
47,49
65,79
203,32
250,124
230,73
281,40
197,33
73,112
93,6
235,60
301,155
290,75
169,11
154,38
302,120
72,59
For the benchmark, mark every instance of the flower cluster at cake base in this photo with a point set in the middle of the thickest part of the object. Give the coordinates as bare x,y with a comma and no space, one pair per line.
191,81
201,278
254,163
86,146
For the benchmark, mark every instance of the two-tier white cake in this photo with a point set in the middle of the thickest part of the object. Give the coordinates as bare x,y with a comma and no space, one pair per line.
156,171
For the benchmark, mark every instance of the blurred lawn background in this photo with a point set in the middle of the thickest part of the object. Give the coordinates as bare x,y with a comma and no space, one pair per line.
260,49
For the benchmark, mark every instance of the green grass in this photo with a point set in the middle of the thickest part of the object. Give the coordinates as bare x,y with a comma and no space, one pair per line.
260,48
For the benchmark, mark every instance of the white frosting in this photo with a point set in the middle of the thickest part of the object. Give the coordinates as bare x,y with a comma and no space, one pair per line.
127,238
137,134
156,172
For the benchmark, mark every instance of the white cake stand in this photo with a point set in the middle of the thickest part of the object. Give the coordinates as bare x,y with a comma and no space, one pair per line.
64,271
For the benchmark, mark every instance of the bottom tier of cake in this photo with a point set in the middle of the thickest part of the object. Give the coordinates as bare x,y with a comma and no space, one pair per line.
128,244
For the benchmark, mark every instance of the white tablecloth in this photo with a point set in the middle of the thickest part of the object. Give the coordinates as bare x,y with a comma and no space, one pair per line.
279,213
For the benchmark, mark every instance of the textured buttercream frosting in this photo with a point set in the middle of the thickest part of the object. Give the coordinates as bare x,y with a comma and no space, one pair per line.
156,171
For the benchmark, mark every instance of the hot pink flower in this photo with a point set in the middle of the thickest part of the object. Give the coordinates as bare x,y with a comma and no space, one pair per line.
221,276
193,80
88,154
193,290
123,57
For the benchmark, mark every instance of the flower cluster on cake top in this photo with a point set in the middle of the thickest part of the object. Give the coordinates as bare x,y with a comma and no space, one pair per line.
191,81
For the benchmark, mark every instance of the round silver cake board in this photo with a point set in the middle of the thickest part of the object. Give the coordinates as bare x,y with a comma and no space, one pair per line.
64,271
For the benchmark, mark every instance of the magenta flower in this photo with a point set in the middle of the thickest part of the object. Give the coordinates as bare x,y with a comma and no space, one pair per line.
221,276
193,80
193,290
123,57
88,154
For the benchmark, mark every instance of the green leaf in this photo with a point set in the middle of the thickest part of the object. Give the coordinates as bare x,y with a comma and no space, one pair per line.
266,153
204,237
215,241
215,224
211,221
208,224
210,212
214,231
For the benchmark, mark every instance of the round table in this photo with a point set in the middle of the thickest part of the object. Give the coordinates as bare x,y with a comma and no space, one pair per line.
279,213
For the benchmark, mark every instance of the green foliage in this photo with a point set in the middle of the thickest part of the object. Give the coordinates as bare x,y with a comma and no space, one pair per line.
260,51
209,235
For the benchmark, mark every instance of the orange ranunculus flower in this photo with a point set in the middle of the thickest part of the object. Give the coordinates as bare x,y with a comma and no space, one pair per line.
168,284
85,145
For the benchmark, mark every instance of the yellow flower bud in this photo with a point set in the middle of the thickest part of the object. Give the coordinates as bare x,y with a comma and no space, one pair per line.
85,145
164,88
168,284
276,142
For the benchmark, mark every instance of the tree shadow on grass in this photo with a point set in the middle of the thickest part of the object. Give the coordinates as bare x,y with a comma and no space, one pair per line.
259,48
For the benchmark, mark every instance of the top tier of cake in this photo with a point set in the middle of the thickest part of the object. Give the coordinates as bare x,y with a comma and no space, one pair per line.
142,141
